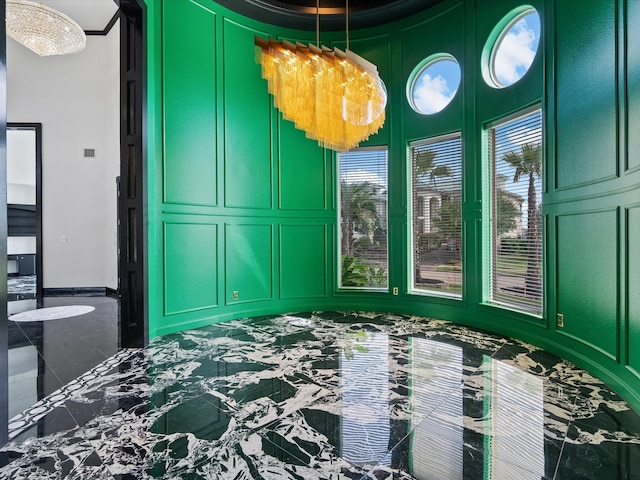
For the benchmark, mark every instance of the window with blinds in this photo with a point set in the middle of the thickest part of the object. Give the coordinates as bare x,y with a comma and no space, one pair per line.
362,214
516,212
436,193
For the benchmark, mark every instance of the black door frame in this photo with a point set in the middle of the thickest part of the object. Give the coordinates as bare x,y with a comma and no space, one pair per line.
37,127
4,346
132,234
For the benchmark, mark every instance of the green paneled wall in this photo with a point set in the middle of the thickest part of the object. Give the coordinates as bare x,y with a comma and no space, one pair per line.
633,287
594,319
586,57
302,172
303,261
633,83
191,267
248,163
190,106
248,263
240,201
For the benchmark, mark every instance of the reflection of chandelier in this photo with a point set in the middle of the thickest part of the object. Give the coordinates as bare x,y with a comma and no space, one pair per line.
42,29
336,97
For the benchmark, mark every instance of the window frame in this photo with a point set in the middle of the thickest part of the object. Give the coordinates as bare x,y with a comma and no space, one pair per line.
488,198
416,73
337,183
490,49
411,287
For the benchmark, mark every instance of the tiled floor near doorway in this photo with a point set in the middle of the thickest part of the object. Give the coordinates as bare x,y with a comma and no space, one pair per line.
44,356
328,396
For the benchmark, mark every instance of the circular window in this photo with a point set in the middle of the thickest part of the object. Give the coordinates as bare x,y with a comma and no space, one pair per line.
511,47
433,83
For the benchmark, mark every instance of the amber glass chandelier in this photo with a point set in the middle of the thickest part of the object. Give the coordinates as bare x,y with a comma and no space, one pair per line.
335,96
43,30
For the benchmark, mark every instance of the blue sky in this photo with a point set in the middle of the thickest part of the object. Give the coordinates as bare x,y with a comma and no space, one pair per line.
436,86
516,51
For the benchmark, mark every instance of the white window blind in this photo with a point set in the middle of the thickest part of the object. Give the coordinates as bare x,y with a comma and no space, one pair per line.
436,187
516,213
362,213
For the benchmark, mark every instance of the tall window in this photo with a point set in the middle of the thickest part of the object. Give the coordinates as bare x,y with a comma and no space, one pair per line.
516,212
363,217
436,187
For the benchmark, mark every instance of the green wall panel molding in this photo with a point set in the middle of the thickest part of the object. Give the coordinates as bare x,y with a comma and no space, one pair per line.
190,104
218,153
633,85
304,178
586,69
303,261
248,125
248,263
633,287
588,284
191,267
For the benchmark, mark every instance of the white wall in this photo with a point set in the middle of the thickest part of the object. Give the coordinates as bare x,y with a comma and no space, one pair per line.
76,98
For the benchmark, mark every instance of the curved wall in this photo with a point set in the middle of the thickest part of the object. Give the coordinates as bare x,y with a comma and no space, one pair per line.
242,207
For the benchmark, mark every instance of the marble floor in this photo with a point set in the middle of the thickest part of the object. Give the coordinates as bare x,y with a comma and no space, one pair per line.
44,356
328,396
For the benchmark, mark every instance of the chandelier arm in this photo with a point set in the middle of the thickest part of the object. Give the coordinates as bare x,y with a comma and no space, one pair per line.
317,23
347,22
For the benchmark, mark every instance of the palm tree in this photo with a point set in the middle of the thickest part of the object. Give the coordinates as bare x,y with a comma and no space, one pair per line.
359,212
424,167
529,162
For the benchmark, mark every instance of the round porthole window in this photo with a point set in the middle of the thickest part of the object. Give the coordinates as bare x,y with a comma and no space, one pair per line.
433,83
511,47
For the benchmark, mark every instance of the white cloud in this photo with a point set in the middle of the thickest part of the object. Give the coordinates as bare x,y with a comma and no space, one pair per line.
361,176
515,53
431,95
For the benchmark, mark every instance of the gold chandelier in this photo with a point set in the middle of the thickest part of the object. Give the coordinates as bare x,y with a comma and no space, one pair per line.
43,30
336,97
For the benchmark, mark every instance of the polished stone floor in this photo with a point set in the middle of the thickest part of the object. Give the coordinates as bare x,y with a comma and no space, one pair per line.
328,396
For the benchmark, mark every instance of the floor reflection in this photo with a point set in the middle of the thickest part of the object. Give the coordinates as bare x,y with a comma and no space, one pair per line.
329,396
44,356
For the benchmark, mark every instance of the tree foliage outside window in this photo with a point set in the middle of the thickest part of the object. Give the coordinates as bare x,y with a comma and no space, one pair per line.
436,193
363,218
516,234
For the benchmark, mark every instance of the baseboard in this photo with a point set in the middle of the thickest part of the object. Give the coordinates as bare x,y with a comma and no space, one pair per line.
112,292
79,292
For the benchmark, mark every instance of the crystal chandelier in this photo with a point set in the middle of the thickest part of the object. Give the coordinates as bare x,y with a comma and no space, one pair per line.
336,97
42,29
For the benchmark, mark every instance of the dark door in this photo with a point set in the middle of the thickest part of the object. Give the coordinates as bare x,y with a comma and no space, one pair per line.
131,192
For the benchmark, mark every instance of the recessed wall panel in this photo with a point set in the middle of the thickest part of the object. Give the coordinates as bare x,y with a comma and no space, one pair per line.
247,123
633,287
191,266
587,278
586,102
633,83
303,261
189,94
302,171
248,260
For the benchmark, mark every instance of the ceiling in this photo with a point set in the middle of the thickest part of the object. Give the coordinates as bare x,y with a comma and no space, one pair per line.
95,15
301,14
89,14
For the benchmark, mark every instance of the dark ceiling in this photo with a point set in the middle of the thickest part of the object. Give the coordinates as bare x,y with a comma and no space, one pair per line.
301,14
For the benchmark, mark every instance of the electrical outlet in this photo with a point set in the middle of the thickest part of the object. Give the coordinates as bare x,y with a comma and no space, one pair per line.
395,290
235,295
560,320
